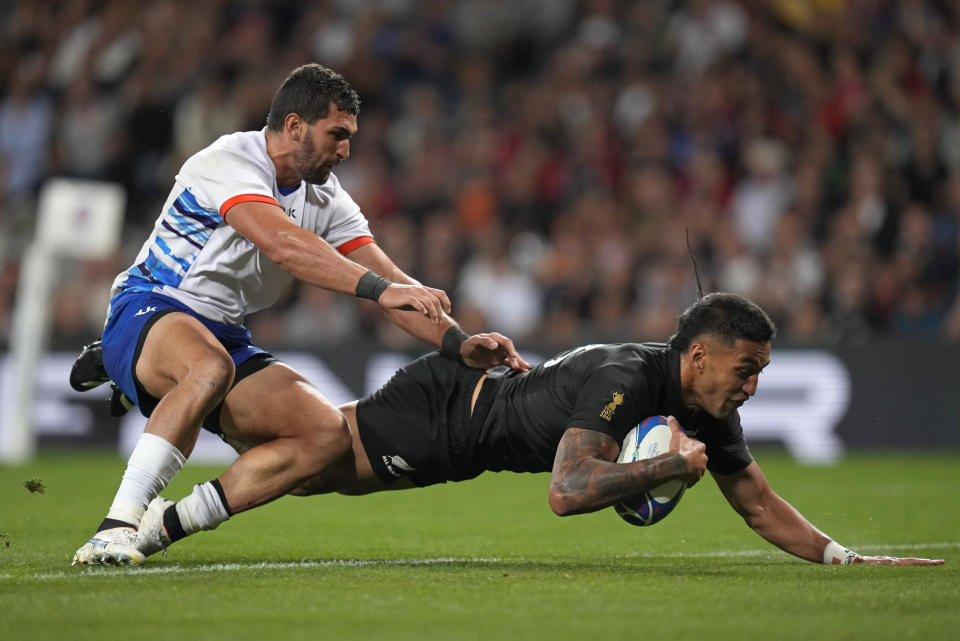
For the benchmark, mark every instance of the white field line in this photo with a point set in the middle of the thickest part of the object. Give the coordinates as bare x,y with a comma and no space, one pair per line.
260,565
905,548
865,548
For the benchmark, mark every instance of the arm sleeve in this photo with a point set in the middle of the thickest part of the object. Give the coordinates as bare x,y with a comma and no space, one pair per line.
608,401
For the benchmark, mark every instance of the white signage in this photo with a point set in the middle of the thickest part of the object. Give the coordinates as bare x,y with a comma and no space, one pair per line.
80,218
801,398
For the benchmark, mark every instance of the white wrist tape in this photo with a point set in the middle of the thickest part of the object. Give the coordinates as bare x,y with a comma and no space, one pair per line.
836,554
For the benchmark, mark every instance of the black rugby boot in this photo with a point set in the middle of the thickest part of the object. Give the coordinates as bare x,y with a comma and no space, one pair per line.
88,371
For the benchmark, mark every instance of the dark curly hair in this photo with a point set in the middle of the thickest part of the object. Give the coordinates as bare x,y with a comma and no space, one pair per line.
308,92
725,316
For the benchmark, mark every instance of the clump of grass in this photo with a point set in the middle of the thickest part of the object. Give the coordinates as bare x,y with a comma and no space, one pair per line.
35,486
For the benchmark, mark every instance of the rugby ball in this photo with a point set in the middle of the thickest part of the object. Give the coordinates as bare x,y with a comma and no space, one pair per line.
649,439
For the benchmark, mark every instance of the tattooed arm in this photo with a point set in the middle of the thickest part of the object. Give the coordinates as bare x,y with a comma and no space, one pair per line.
586,476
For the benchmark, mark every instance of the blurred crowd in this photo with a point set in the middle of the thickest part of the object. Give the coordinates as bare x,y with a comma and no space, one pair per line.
543,161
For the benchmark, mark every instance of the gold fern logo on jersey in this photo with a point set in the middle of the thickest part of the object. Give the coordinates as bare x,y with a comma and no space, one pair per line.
611,407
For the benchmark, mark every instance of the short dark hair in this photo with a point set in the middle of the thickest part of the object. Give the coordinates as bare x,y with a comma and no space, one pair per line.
726,316
308,92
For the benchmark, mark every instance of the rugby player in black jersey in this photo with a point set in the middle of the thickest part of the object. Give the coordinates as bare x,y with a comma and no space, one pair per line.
438,420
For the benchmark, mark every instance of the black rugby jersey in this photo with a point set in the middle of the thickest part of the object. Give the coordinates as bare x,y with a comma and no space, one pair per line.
608,388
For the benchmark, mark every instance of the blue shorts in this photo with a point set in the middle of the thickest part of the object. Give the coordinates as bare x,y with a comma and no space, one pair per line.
133,313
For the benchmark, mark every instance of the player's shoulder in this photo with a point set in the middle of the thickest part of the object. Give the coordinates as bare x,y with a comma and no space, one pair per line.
641,368
627,357
248,148
640,355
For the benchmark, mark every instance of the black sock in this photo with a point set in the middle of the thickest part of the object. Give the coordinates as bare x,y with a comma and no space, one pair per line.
171,522
223,497
109,524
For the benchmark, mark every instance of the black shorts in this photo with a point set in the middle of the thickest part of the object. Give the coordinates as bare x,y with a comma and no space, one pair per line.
418,424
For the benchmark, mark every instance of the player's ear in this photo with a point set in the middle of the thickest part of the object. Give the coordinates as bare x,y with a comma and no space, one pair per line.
295,126
697,353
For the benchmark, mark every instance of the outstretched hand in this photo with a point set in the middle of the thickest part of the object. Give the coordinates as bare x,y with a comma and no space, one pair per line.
428,301
490,350
892,560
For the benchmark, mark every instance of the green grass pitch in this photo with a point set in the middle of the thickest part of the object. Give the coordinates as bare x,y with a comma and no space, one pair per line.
486,559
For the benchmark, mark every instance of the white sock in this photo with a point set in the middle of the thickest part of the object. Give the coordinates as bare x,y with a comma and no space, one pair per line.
153,464
203,509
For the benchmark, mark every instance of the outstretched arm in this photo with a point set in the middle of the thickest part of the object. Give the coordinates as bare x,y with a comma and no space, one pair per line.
586,476
749,493
311,259
480,350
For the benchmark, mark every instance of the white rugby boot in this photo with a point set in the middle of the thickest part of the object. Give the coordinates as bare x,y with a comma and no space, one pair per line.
152,536
116,546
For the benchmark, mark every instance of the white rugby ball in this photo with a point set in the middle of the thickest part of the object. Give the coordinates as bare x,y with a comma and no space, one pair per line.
649,439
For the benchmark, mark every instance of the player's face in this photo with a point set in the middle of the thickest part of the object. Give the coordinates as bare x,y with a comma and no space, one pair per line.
325,144
727,375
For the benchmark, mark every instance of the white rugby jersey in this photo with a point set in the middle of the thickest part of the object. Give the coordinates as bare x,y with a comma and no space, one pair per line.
198,259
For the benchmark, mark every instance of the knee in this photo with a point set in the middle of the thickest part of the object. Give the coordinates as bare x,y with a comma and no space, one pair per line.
212,375
325,437
333,433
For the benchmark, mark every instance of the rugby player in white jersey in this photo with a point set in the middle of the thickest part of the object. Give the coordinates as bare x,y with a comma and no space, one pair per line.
245,217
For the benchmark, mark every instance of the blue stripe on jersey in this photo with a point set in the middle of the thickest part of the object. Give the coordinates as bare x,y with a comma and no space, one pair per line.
136,284
186,203
190,221
137,275
184,230
153,271
185,235
165,248
200,220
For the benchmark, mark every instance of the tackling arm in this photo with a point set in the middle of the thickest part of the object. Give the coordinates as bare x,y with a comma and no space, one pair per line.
749,493
311,259
481,350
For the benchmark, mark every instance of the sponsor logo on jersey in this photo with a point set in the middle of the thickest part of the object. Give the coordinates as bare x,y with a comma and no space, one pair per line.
396,465
611,407
145,311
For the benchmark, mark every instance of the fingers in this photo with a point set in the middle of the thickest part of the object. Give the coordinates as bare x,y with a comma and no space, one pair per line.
678,436
518,363
428,301
437,302
693,451
493,349
442,297
892,560
510,354
674,425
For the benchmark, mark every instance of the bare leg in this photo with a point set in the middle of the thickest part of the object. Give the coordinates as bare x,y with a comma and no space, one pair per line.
352,474
185,366
298,433
290,438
